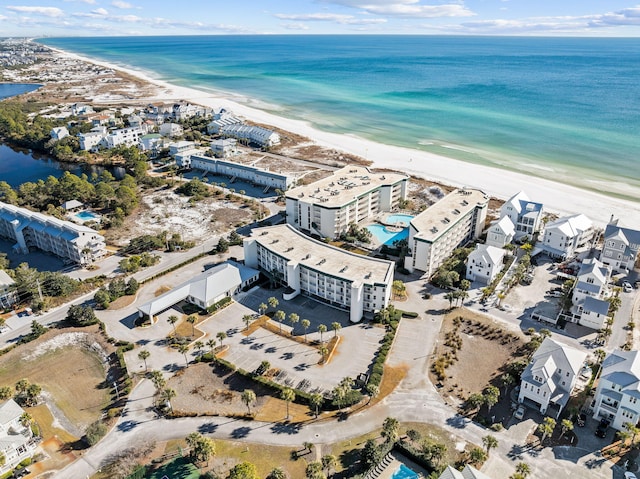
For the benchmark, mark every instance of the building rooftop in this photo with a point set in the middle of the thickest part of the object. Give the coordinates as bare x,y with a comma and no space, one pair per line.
343,186
571,225
438,218
289,243
5,279
42,221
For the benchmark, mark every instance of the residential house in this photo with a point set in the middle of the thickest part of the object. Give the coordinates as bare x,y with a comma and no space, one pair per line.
525,214
590,307
78,109
501,233
123,137
469,472
448,224
550,378
620,247
59,132
184,111
617,396
252,134
151,142
563,236
72,205
484,263
206,289
350,195
16,440
8,296
92,140
171,130
224,148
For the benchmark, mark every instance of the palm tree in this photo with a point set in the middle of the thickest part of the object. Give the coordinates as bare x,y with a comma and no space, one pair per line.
523,469
287,395
212,344
322,329
450,297
198,345
546,428
491,396
329,462
157,379
305,323
280,316
324,352
507,380
336,326
262,308
26,419
273,302
184,349
566,425
144,355
622,436
277,473
390,430
221,336
167,395
315,401
248,397
247,320
293,319
633,429
489,442
192,321
477,455
173,319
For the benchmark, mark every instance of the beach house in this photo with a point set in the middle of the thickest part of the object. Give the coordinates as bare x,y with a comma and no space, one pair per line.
589,305
28,229
91,140
171,130
251,134
484,263
620,247
563,236
224,148
501,233
550,378
16,439
350,195
8,295
525,214
123,137
448,224
617,397
222,119
345,280
59,132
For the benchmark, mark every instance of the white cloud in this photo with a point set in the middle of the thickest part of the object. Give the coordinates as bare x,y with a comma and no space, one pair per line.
295,26
100,11
2,17
45,11
90,2
407,8
122,5
329,17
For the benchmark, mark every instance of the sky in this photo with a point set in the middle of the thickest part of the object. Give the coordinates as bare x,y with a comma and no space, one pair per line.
38,18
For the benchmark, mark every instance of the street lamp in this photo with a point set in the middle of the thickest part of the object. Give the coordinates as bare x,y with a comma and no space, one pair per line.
115,385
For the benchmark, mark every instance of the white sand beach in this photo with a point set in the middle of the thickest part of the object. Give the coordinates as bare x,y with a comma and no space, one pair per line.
556,197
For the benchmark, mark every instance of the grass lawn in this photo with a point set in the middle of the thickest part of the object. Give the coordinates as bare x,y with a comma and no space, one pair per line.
180,468
43,417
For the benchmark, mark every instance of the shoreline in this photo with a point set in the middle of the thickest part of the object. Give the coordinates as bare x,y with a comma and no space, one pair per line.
557,197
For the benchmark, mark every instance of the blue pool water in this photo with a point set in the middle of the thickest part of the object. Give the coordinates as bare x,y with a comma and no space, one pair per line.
405,219
404,472
87,216
384,236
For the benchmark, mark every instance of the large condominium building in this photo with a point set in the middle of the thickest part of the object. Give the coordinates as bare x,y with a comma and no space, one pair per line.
72,242
620,248
323,272
349,195
252,174
253,134
450,223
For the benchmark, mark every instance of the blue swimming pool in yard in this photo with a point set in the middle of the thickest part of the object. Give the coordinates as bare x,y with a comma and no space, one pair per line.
87,216
398,218
385,236
404,472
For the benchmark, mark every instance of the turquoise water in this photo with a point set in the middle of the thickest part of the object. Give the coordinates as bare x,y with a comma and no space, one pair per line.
87,216
399,218
404,472
561,108
384,236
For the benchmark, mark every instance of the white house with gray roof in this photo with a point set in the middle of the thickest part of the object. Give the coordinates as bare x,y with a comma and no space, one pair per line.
620,247
590,307
484,263
501,233
549,379
563,236
469,472
617,396
525,214
16,441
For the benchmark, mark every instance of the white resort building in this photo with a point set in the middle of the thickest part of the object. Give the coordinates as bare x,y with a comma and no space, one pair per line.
253,134
563,236
16,440
549,379
484,263
525,214
72,242
618,393
448,224
620,248
345,280
350,195
248,173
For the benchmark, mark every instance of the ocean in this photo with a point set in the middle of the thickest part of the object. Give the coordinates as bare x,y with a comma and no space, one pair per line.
566,109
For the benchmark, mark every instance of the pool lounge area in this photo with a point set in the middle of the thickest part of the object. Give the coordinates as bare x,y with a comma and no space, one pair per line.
393,228
396,466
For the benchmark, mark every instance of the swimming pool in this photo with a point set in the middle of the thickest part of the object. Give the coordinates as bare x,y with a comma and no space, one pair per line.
399,218
87,216
404,472
385,236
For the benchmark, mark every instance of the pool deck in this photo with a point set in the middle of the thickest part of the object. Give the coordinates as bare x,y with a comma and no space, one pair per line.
396,461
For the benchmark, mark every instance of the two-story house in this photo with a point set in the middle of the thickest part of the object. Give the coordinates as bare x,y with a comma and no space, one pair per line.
620,247
501,233
484,263
16,440
590,307
525,214
618,393
549,379
563,236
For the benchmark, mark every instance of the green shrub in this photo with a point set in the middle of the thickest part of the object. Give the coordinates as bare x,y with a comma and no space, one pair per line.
95,432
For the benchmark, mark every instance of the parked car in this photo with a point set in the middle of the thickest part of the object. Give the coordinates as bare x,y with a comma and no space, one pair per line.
626,286
603,428
519,414
629,475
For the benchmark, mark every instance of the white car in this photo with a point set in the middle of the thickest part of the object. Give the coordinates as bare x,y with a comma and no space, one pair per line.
519,414
627,287
629,475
